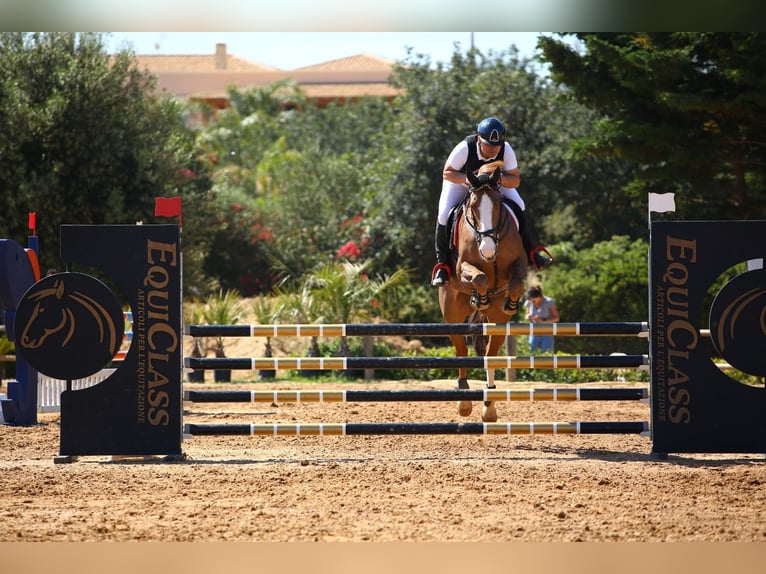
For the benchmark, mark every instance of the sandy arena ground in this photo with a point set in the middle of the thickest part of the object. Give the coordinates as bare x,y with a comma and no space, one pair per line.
384,488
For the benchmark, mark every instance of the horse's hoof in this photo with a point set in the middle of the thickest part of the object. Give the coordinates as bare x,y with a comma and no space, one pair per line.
464,408
478,301
510,308
489,413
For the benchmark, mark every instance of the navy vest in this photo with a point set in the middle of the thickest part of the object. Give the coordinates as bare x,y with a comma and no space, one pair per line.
473,162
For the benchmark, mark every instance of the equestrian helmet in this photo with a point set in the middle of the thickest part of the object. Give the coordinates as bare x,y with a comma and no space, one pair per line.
491,131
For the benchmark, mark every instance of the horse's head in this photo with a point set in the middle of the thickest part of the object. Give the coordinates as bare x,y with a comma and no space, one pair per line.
484,212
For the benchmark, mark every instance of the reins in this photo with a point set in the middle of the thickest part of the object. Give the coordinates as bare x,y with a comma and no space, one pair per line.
496,233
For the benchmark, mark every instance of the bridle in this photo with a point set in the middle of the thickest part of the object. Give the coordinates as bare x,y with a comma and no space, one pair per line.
497,232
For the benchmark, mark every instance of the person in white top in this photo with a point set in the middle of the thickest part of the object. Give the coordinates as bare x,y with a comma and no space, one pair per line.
485,146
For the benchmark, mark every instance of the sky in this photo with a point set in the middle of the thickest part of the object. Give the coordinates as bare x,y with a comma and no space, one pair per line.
291,50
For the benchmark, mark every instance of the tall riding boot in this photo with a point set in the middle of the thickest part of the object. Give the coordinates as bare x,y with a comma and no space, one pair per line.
538,255
441,272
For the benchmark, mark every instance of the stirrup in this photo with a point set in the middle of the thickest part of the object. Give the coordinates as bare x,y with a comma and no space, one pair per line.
441,275
541,257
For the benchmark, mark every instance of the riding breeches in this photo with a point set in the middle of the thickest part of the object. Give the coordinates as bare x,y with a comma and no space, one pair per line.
453,193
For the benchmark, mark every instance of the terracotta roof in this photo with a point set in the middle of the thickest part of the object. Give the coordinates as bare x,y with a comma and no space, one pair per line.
210,76
198,63
358,63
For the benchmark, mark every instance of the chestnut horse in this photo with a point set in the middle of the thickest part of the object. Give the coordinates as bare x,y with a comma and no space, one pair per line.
488,267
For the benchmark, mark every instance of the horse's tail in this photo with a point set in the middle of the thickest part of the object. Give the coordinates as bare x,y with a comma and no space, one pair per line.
479,341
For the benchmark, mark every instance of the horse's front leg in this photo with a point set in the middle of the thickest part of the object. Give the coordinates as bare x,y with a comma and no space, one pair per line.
476,281
489,413
464,408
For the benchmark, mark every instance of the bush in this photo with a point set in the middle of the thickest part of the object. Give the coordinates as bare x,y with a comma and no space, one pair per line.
608,282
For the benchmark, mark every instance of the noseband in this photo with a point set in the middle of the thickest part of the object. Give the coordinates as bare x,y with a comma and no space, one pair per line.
497,232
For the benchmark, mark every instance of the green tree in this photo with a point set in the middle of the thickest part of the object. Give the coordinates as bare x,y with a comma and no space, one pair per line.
442,104
84,138
290,187
686,109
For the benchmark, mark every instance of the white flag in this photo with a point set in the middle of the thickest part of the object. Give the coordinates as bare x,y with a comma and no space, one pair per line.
662,202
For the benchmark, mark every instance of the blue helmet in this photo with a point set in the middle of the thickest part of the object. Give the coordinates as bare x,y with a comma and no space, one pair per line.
491,131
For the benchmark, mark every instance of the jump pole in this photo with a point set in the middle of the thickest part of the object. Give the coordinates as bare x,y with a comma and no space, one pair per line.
413,395
421,362
607,329
446,428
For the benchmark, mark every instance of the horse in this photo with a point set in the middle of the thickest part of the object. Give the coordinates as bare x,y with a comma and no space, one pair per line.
488,266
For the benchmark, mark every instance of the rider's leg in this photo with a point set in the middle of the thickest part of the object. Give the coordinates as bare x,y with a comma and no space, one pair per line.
537,254
451,195
441,274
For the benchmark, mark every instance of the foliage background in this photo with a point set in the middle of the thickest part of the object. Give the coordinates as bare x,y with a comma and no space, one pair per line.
275,189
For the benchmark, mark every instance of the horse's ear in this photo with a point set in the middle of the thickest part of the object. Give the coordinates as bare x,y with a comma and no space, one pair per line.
496,174
472,178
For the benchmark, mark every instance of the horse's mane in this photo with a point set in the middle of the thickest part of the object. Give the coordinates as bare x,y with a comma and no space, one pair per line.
491,166
489,173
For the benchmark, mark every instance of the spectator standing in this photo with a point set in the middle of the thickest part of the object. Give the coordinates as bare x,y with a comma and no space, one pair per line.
540,309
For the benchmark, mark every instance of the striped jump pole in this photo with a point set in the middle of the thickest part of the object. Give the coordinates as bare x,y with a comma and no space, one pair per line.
446,428
420,362
411,395
639,329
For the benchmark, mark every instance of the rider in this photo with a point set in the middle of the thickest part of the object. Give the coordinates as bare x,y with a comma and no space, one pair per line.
485,146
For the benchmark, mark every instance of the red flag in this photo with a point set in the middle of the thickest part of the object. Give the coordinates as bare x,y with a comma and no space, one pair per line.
168,207
33,222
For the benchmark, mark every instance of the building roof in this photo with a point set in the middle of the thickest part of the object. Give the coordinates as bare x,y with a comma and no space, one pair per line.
209,77
357,63
195,63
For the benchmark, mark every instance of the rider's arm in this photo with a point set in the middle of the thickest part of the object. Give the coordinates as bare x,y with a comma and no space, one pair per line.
453,175
453,167
510,176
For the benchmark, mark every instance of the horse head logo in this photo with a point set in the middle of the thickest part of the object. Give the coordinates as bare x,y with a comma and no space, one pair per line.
738,322
52,315
48,318
69,324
